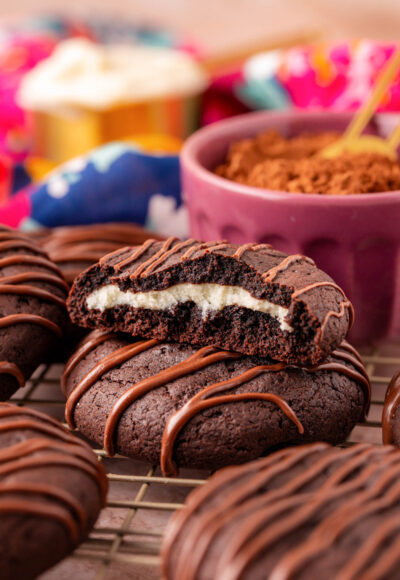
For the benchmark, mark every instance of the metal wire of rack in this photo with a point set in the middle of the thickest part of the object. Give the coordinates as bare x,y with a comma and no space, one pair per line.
126,540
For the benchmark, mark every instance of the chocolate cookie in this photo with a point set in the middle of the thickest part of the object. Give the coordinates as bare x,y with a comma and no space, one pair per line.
32,309
52,488
391,413
75,248
250,299
302,513
178,405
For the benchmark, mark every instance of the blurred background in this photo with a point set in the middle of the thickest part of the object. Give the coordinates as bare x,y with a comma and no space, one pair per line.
225,24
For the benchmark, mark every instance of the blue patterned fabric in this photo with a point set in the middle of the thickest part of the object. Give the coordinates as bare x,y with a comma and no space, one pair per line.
113,183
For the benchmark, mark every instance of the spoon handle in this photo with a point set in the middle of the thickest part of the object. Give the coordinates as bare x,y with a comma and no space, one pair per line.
394,139
360,120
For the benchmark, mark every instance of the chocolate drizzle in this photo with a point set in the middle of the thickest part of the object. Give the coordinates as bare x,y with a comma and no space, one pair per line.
347,353
160,257
252,247
138,252
272,273
163,251
72,247
16,242
51,445
205,247
25,290
19,259
346,304
210,396
160,253
23,284
353,484
21,318
202,401
88,344
112,360
9,368
392,401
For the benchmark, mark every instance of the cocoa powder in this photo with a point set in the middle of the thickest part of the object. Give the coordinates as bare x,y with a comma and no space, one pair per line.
272,161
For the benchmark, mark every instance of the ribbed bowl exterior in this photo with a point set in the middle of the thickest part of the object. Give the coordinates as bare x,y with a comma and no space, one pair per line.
355,238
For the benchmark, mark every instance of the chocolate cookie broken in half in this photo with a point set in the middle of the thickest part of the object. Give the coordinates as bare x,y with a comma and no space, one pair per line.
251,298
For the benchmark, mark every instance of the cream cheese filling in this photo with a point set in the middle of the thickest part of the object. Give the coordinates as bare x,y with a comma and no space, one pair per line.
207,297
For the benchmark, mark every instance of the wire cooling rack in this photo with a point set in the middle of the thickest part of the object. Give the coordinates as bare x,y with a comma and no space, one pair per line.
126,541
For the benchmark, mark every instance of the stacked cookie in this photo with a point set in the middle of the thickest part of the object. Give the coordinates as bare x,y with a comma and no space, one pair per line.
228,352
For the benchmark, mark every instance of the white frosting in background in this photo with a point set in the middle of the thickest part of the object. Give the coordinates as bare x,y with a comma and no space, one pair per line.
208,297
80,73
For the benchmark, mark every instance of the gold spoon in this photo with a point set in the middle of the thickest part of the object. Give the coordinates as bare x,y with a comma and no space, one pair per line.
352,141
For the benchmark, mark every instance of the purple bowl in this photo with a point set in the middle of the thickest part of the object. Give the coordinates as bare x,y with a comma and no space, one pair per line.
355,238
